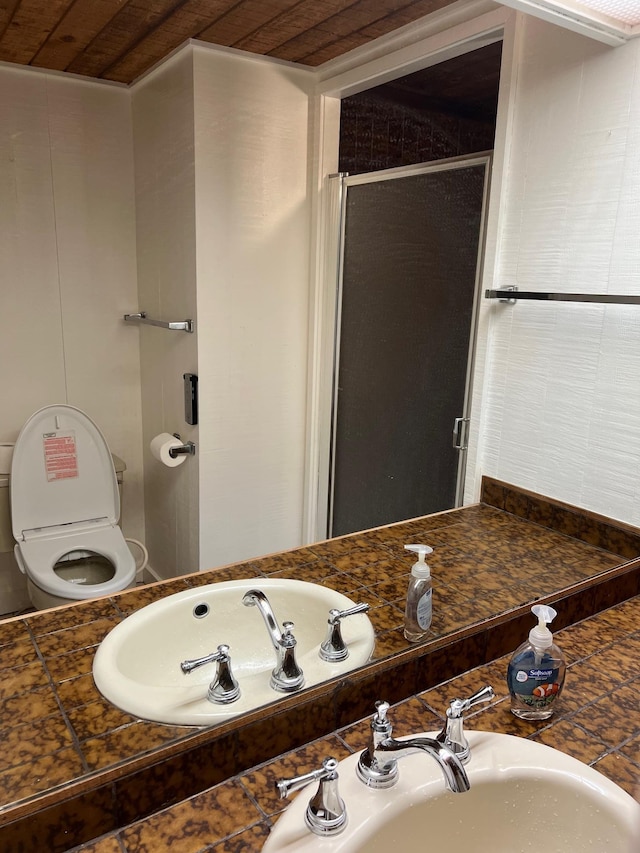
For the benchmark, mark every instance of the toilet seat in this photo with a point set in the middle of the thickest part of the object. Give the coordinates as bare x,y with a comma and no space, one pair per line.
64,498
37,558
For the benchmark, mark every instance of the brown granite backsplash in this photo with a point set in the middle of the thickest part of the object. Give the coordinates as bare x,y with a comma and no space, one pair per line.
67,751
616,537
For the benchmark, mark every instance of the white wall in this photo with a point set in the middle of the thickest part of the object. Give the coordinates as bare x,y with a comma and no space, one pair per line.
67,249
561,395
163,110
221,156
252,227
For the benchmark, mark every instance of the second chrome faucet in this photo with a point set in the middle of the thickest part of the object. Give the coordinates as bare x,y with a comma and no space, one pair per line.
378,764
287,675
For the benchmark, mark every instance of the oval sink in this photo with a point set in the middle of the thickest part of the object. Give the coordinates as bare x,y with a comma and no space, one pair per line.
524,796
137,665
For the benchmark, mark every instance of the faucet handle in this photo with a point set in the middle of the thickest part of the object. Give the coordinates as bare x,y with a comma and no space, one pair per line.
457,707
326,812
288,640
188,666
362,607
334,647
224,688
380,716
452,734
381,727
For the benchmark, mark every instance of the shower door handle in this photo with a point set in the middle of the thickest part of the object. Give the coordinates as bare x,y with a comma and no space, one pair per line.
460,433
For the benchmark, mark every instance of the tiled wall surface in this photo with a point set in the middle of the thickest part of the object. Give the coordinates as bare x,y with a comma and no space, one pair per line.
56,730
597,721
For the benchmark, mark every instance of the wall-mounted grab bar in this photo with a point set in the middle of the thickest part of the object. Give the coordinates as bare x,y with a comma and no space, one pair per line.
511,295
179,325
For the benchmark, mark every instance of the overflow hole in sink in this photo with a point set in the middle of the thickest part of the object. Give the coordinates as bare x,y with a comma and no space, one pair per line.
200,611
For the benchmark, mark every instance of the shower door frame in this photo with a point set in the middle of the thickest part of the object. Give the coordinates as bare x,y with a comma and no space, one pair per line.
335,223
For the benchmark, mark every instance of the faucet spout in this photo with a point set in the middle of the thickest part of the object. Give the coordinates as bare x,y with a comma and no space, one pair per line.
389,751
378,764
287,675
257,598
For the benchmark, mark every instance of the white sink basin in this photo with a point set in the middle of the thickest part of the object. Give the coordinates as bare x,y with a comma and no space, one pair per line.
524,797
137,666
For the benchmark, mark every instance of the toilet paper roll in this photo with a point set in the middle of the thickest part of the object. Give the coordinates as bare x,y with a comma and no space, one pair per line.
160,446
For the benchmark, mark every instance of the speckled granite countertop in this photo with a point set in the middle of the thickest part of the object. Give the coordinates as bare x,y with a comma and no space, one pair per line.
73,767
597,720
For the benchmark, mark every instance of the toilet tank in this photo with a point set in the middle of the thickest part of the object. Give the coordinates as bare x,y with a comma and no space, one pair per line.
6,453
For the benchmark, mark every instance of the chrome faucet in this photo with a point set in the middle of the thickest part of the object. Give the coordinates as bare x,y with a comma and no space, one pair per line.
287,675
378,764
452,734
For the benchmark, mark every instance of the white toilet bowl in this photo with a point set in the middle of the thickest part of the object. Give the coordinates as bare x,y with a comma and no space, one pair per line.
65,506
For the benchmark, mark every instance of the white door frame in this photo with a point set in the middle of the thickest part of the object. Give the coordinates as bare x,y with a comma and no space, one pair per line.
417,48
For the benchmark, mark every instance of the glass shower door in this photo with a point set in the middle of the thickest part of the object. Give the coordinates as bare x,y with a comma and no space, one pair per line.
410,264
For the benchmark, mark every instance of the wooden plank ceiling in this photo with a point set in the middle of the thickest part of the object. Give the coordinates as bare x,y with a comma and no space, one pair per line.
121,39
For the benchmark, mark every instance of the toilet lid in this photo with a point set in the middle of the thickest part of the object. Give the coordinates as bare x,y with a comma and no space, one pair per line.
61,472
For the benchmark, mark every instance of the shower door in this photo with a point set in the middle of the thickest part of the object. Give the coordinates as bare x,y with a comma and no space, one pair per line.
410,260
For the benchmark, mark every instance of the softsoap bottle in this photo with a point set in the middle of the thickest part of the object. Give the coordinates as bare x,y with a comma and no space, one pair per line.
417,616
535,675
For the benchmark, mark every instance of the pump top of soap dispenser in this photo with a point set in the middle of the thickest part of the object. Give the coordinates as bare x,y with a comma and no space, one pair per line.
540,636
420,568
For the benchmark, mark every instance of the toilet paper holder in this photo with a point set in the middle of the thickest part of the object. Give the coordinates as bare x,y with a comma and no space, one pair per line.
188,448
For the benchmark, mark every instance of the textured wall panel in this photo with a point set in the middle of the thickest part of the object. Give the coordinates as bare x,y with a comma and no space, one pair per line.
165,214
252,214
30,316
67,245
562,400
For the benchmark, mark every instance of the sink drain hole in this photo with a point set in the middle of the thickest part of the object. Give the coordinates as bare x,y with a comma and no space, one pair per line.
200,610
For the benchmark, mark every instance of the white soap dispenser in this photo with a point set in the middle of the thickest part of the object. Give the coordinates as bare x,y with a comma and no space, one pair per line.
535,675
418,612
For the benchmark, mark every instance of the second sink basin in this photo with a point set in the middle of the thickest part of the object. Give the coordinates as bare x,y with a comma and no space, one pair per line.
524,796
137,666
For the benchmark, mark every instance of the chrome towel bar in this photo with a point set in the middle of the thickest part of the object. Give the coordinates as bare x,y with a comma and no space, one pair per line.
178,325
512,294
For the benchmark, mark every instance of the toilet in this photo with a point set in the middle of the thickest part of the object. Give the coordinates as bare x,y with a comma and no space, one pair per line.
65,506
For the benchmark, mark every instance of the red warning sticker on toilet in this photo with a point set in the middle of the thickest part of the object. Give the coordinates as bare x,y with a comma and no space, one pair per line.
60,455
